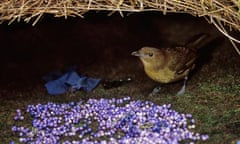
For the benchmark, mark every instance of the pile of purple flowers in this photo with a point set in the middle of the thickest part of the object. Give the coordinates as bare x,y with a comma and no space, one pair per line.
102,121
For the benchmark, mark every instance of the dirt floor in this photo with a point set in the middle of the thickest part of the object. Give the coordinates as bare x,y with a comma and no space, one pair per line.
100,47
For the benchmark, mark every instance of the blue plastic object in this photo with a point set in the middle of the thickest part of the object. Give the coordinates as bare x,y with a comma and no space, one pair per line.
70,80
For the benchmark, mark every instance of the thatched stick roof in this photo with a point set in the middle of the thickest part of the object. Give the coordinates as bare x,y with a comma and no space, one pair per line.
221,13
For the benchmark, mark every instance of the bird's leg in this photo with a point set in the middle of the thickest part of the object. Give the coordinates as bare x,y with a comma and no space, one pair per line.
155,91
182,90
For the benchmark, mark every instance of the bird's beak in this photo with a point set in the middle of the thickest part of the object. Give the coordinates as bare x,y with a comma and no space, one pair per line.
136,53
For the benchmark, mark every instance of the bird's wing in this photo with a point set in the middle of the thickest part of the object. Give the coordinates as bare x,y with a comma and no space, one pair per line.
181,59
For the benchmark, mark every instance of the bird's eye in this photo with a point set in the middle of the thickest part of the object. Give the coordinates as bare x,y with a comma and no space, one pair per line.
150,54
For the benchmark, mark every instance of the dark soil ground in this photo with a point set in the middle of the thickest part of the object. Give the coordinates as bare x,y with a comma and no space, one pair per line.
100,47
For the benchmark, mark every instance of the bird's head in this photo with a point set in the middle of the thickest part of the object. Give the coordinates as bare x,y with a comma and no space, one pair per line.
150,56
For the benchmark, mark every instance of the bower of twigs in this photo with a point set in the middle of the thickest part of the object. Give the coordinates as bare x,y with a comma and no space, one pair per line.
221,13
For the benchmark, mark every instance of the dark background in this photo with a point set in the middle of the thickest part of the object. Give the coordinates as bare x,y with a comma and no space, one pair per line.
99,45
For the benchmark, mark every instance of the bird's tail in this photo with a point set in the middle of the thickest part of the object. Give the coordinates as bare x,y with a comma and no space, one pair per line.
197,41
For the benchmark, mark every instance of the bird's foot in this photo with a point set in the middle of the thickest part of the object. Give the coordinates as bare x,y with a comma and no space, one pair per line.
155,91
183,89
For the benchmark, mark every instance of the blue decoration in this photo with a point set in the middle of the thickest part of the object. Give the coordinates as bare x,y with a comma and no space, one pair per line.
102,121
69,81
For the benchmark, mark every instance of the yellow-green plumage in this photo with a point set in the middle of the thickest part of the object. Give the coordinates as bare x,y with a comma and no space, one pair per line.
166,65
169,64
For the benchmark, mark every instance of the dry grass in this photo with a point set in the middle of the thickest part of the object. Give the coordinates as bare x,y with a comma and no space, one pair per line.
221,13
226,11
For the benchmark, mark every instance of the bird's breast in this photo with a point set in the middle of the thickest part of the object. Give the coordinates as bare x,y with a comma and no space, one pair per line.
163,75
